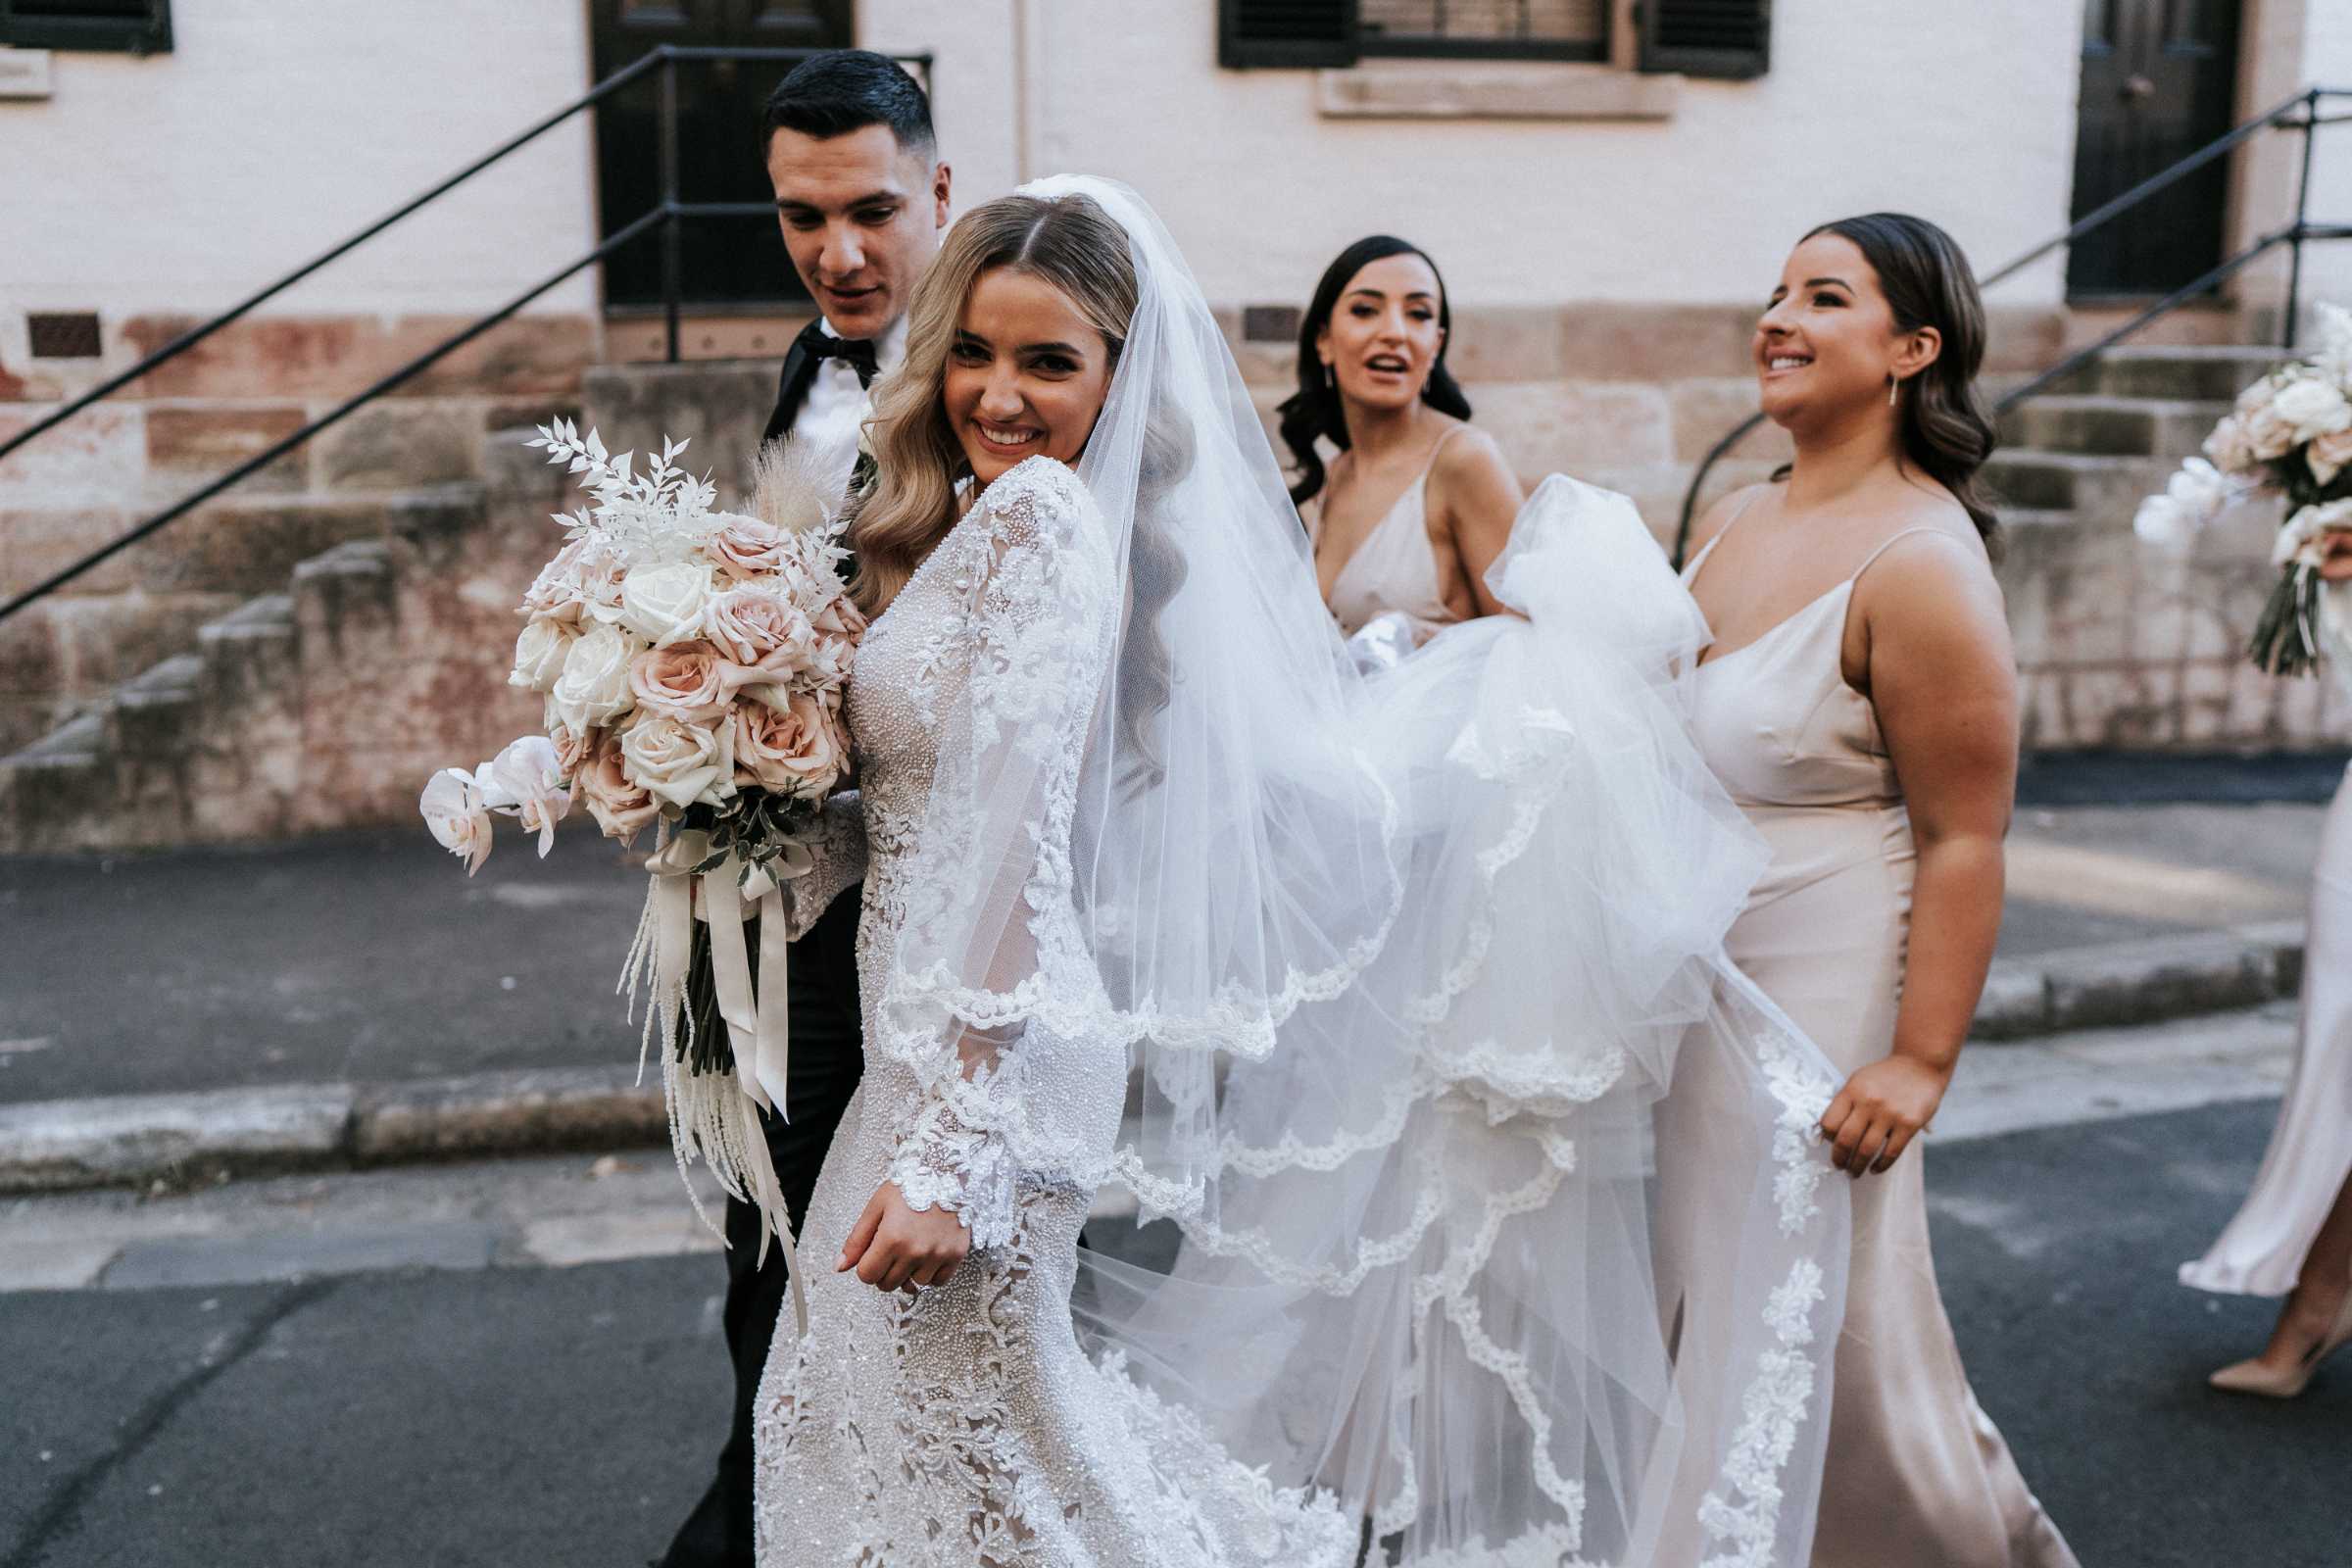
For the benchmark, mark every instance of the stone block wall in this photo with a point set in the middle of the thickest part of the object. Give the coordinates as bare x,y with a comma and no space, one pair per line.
82,484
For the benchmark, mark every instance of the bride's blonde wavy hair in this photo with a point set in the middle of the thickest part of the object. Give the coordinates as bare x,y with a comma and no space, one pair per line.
1069,242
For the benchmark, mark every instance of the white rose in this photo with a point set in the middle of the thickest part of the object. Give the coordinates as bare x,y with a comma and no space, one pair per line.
2201,488
664,603
2229,447
539,655
2270,435
453,811
2314,407
594,686
678,763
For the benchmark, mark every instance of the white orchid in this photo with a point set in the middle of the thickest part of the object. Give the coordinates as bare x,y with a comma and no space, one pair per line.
452,804
525,781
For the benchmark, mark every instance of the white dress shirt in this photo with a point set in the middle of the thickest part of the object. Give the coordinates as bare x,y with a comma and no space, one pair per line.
836,405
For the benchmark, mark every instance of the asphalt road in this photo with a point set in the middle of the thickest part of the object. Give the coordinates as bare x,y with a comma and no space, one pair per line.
533,1415
371,958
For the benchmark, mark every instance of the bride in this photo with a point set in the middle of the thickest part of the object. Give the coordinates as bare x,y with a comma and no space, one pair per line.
1503,1240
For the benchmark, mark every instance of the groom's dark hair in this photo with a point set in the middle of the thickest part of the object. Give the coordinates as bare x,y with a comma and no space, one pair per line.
842,90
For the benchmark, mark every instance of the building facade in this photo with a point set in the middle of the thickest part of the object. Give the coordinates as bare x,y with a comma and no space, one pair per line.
1609,189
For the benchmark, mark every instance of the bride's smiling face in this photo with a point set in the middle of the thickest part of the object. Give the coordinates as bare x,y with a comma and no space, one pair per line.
1025,374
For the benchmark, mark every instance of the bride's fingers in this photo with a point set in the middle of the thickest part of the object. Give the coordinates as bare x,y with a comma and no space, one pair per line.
861,1236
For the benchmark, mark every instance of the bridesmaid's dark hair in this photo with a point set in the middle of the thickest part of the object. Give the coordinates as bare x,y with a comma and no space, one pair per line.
1315,409
1946,429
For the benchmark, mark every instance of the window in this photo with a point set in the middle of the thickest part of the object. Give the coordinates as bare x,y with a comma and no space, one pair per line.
1724,39
1506,29
135,27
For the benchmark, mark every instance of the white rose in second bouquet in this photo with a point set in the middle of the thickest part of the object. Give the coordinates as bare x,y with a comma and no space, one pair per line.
678,763
2270,435
2314,406
539,655
2229,447
664,602
594,686
2195,492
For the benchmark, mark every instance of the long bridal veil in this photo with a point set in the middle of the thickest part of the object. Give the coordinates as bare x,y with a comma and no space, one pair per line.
1500,1221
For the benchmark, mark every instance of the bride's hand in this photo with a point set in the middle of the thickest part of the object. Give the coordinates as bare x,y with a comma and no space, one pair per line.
1878,1111
893,1247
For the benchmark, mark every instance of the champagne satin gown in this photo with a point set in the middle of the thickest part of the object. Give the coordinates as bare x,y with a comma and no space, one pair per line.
1917,1476
2261,1252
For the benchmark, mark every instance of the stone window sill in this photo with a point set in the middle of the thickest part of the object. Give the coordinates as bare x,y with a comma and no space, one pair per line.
1429,89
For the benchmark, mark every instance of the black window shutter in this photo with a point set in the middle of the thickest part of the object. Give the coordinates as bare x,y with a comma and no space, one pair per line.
138,26
1726,39
1285,33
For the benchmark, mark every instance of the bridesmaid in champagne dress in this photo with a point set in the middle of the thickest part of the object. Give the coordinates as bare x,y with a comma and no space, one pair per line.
2293,1237
1859,701
1417,505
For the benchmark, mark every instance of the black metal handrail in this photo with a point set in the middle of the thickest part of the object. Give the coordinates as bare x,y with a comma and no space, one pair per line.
669,214
2295,235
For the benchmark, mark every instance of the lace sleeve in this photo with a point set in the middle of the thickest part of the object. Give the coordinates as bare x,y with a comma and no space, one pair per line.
985,940
838,842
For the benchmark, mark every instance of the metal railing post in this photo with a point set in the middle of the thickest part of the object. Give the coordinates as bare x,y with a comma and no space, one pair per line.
2294,266
672,241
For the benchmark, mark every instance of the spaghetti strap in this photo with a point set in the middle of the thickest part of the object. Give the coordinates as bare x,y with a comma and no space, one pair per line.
1690,572
1871,558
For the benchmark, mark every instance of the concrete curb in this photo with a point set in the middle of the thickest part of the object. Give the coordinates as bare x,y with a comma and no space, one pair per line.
2141,982
54,1144
133,1139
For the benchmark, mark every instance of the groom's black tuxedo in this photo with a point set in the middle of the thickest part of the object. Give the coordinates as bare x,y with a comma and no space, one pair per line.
827,1061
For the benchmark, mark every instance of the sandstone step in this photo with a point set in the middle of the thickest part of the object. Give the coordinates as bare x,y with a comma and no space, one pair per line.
2208,373
2093,484
2113,426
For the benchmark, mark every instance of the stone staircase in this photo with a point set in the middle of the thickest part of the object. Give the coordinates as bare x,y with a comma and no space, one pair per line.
2118,644
365,652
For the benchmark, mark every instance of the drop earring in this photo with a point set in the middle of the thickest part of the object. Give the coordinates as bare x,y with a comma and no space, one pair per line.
1892,387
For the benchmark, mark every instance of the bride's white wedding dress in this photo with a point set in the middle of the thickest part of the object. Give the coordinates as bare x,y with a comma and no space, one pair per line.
962,1424
1504,1236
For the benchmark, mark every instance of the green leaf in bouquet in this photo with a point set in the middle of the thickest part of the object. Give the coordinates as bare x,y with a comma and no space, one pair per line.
2285,640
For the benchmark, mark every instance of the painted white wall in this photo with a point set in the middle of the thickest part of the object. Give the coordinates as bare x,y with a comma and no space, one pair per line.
179,181
1962,112
183,180
2327,62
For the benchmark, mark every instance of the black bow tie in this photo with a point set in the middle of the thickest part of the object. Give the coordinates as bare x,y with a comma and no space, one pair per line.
819,344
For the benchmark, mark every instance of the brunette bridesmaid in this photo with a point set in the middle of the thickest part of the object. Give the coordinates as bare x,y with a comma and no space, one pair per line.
1417,505
1859,699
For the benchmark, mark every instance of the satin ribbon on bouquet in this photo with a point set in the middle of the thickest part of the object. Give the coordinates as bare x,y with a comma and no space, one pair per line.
717,1116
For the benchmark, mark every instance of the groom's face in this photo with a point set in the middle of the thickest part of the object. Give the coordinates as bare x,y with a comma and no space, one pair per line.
862,216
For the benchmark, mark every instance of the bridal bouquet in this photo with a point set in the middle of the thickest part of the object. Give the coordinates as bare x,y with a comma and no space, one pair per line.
2291,435
693,663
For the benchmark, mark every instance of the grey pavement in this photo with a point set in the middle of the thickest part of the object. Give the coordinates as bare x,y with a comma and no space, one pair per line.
520,1362
371,958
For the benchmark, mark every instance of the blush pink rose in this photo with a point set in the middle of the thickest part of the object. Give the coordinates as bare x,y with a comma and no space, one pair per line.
792,743
621,809
749,546
758,631
572,747
688,681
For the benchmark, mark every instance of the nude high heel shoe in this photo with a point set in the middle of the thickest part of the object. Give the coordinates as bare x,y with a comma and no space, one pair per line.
2272,1383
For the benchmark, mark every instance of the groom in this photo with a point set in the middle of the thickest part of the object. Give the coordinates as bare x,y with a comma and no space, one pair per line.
861,197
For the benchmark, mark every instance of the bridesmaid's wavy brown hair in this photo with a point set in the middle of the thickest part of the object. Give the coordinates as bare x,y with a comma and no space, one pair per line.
1946,430
1069,242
